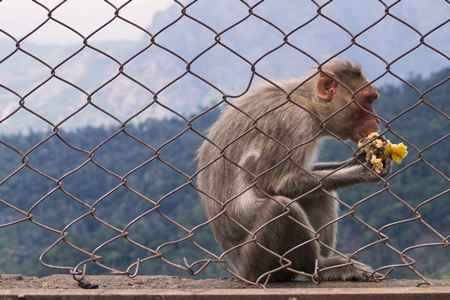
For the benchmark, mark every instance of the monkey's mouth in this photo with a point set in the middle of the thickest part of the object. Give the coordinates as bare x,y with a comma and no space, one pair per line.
360,135
363,134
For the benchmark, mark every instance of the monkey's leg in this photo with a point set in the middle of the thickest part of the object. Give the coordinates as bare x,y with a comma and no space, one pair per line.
291,234
322,211
279,231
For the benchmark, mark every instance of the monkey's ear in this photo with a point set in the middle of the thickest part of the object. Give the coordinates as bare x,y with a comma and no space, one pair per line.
326,85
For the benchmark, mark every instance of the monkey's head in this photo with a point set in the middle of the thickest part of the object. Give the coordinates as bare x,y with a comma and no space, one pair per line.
348,97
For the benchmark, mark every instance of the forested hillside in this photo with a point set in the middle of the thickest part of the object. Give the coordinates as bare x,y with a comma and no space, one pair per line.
110,174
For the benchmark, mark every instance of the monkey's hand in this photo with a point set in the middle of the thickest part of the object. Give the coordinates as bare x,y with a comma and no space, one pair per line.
383,167
368,172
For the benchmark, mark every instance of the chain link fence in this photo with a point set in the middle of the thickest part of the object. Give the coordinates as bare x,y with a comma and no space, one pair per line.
98,139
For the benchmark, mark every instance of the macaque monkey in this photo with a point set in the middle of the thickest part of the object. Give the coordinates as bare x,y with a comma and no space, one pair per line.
269,203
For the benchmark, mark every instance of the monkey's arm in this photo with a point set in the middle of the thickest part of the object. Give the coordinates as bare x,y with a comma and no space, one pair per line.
329,165
353,173
336,165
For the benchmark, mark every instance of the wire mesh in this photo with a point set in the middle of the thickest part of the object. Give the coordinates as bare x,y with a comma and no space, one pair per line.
120,190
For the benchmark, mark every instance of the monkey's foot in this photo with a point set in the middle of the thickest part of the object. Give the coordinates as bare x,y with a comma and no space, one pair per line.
356,272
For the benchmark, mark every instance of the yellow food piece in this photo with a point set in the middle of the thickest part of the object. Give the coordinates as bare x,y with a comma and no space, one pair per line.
377,149
398,152
377,164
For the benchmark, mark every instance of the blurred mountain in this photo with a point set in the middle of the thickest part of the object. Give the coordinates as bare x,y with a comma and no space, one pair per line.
194,59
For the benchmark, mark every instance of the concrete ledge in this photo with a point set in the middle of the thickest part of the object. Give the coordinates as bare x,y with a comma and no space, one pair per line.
247,294
171,287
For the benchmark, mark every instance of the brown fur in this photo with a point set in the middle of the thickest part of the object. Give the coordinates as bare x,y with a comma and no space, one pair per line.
258,171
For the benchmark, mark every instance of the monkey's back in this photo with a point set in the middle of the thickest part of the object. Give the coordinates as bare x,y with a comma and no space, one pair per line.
246,149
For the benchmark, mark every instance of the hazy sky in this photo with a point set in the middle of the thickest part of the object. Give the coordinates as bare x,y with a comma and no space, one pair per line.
19,17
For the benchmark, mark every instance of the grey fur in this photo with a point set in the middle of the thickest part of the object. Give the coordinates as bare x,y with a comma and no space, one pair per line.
259,162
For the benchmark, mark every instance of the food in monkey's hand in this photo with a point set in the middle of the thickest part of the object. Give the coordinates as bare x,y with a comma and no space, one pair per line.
377,148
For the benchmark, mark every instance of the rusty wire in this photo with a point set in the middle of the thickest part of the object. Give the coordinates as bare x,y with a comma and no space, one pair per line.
92,257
